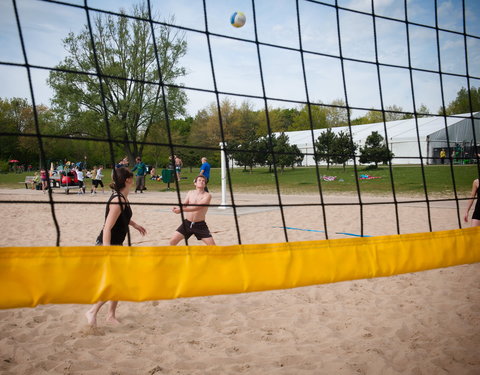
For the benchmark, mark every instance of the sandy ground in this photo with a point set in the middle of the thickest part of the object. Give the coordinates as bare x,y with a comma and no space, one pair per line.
421,323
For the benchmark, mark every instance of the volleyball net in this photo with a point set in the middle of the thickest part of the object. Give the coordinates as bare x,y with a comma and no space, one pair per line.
374,257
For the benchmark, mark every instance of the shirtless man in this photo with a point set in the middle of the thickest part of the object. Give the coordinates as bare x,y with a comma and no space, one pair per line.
178,166
194,222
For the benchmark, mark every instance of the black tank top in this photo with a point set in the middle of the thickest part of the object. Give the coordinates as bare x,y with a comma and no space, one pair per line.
476,212
120,229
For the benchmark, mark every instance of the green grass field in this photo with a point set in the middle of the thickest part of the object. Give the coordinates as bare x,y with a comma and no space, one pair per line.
407,180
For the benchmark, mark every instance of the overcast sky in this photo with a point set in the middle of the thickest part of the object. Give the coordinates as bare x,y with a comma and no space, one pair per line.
236,64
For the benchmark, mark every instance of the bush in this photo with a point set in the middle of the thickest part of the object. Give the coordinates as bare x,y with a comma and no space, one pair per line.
3,166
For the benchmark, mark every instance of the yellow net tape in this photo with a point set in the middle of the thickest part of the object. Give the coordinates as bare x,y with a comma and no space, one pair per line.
39,275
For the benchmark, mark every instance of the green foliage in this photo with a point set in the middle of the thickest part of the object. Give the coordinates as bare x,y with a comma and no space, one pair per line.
191,158
334,148
281,119
3,166
422,111
264,151
17,117
392,113
318,118
343,148
13,119
125,51
323,116
74,115
325,147
375,150
181,127
286,155
337,115
461,104
244,153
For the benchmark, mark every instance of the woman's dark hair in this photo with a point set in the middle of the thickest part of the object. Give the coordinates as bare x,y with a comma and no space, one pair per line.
119,176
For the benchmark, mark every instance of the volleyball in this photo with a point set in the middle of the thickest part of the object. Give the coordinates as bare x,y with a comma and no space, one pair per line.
238,19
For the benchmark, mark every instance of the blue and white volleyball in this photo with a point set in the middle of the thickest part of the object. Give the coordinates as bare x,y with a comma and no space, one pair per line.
238,19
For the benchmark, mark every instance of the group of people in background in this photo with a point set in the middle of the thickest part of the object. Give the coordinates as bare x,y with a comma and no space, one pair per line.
69,175
76,176
459,155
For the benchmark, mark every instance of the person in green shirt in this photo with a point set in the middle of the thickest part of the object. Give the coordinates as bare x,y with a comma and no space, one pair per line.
141,170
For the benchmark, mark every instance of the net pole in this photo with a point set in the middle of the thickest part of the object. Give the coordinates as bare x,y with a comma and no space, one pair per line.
223,162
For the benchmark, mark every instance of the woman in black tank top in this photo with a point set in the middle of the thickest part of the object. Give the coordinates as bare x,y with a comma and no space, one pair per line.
118,216
476,211
120,228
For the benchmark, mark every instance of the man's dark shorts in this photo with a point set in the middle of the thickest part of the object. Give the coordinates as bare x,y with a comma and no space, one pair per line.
199,229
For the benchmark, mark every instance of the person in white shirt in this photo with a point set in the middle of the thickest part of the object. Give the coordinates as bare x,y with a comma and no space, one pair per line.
97,180
80,180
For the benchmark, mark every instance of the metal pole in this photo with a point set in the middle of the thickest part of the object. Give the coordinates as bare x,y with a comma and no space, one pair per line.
223,162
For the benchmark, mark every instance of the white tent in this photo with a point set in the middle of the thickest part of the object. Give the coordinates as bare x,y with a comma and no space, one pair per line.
405,139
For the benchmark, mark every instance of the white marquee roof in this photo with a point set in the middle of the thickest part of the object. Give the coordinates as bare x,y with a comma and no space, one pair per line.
400,130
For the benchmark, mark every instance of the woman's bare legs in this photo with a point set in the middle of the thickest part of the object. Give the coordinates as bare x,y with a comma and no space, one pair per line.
92,313
111,313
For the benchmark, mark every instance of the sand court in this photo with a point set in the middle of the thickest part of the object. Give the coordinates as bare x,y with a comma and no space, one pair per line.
418,323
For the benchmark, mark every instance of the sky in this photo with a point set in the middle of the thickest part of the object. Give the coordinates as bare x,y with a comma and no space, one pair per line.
236,63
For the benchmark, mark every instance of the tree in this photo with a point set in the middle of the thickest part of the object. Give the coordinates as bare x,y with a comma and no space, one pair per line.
375,150
263,154
337,116
297,155
319,118
423,110
191,158
245,122
343,148
244,153
236,122
13,119
461,104
325,146
127,61
286,155
374,116
201,133
323,116
281,119
17,116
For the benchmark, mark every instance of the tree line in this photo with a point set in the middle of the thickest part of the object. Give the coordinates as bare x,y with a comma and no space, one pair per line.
329,147
244,130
